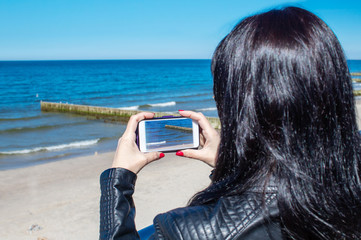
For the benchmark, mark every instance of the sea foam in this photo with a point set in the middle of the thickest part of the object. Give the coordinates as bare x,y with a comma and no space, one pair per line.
129,108
156,143
207,109
163,104
54,148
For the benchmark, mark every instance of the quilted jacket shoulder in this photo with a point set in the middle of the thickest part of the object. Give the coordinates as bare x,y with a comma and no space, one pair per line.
235,217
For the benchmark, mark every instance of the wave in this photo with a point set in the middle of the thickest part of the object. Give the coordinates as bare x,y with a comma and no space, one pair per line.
164,104
54,148
156,143
21,119
207,109
129,108
195,95
37,128
100,97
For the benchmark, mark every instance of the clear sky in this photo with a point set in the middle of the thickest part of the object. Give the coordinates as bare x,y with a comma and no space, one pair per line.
146,29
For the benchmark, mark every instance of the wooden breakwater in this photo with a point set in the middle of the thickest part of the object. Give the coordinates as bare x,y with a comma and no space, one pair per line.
358,80
355,78
115,114
186,129
106,113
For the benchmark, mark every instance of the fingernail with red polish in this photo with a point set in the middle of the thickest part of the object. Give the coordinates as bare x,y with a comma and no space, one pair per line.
161,155
180,110
179,153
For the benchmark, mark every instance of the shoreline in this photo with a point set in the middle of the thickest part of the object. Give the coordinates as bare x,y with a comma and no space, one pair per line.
60,200
101,151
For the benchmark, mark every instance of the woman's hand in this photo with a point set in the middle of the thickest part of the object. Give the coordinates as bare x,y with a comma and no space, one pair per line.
128,155
209,140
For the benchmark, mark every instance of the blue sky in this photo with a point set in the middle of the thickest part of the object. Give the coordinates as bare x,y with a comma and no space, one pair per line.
146,29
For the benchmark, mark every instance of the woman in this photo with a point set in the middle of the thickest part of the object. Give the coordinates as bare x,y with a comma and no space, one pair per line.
288,161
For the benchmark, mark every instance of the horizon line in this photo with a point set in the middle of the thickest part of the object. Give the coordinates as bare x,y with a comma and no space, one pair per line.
115,59
104,59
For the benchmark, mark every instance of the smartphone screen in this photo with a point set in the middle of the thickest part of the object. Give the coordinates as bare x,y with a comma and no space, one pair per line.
169,134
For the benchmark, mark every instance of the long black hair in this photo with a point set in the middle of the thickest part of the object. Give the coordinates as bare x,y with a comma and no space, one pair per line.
284,98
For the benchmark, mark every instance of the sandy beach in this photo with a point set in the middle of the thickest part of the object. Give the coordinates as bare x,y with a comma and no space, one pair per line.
60,200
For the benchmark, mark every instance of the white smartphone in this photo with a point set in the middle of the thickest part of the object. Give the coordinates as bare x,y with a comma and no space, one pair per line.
167,134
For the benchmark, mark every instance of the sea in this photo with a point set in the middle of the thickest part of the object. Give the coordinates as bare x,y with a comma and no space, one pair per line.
29,136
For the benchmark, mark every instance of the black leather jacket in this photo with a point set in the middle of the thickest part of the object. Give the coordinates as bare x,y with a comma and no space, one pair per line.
232,217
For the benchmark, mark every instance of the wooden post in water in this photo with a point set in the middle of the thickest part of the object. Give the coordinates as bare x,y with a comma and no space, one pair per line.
112,114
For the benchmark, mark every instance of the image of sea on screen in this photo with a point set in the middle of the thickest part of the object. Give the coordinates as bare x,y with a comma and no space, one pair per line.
169,134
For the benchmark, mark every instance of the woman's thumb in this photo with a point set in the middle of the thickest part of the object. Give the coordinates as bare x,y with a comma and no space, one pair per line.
152,156
190,153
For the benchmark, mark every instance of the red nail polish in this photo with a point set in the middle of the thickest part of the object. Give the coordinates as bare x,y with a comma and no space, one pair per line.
180,110
179,153
161,155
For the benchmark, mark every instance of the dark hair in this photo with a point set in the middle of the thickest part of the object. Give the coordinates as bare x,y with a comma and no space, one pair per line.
284,97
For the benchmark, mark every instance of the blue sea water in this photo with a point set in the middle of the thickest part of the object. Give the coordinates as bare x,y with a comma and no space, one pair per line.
29,136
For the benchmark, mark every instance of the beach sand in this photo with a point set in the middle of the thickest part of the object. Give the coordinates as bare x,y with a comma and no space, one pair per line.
60,200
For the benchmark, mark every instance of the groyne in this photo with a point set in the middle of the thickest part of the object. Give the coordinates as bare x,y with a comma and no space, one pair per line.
115,114
106,113
186,129
358,80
